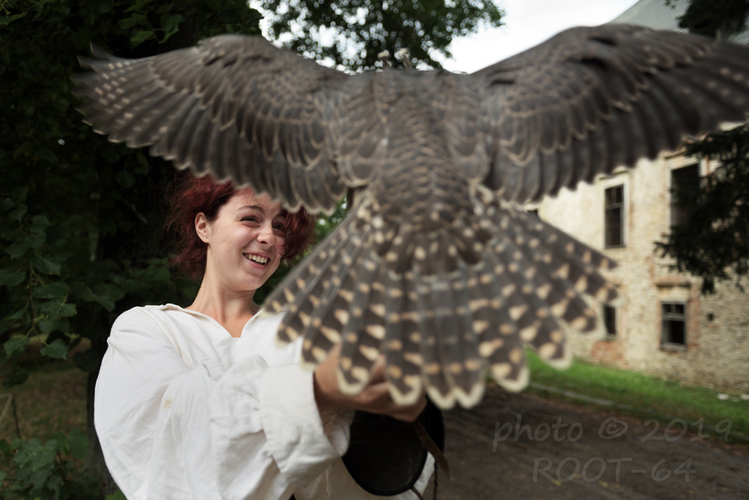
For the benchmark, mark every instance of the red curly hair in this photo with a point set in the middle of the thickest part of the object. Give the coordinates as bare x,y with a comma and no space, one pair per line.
194,195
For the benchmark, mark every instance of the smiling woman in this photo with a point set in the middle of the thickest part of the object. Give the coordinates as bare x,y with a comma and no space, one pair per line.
195,195
234,240
201,402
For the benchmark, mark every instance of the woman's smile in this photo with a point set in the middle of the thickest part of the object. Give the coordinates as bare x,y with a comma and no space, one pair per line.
257,259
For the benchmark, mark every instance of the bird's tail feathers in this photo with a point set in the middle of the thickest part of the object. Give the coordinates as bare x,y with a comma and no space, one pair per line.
456,303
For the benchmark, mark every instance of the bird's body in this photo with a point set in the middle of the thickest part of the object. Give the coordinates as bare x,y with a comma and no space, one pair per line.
436,266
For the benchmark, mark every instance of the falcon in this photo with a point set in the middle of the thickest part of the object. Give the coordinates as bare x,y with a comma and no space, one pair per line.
437,265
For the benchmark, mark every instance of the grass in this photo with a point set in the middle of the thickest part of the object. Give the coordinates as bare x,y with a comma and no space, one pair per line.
50,401
647,397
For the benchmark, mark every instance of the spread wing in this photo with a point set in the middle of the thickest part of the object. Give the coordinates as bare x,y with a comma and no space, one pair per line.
241,109
592,99
431,267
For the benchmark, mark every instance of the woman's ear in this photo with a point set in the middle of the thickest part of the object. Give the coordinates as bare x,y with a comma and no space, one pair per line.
202,227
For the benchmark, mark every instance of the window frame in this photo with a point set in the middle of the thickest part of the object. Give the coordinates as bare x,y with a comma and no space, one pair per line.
622,207
604,317
676,211
666,340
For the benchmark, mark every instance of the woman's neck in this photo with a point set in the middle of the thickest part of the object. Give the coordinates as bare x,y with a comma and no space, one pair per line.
229,308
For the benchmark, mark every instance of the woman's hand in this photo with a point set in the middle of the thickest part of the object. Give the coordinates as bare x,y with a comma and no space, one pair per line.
374,398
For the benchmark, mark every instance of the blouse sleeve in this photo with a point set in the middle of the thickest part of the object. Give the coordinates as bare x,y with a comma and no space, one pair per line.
171,431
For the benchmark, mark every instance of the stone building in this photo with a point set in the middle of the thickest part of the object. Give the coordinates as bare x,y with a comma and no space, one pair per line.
666,328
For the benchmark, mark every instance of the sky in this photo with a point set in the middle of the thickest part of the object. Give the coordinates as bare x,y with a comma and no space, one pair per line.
527,23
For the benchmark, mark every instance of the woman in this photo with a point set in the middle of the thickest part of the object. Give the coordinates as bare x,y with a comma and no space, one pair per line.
200,402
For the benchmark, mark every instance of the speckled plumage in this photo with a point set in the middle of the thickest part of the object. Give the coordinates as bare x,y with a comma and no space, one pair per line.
436,265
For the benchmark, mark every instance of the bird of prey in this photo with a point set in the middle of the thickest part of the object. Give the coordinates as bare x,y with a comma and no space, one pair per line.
437,266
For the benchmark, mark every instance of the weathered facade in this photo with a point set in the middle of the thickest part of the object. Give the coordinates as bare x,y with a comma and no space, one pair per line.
666,328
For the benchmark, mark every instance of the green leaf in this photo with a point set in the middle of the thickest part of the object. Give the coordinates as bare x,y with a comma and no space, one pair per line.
125,178
9,278
52,291
16,315
17,249
57,309
78,441
50,325
57,349
105,294
35,241
141,37
171,24
87,361
5,20
117,495
164,8
16,346
18,212
45,265
33,455
39,223
142,167
67,310
128,23
19,193
138,5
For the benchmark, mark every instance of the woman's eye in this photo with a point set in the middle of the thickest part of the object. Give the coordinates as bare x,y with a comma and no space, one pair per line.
251,218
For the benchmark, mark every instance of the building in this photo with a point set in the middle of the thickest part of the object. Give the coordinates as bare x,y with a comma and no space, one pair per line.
666,328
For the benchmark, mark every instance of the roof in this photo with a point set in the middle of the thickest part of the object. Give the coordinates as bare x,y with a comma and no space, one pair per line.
656,14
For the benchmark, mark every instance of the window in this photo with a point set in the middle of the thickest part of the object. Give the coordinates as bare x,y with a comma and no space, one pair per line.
674,329
687,181
614,217
609,319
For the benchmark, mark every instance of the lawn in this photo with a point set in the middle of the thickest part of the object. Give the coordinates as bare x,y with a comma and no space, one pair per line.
50,401
647,397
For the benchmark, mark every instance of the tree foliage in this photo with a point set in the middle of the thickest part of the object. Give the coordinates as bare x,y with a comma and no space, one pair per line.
364,28
714,242
48,470
715,17
80,218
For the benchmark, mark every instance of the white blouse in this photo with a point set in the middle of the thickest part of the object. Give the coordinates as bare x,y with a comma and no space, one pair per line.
184,410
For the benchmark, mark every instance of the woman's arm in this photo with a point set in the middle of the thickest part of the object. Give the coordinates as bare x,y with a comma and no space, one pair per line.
169,430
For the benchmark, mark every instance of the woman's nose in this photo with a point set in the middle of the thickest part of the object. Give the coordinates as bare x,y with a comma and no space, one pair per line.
266,234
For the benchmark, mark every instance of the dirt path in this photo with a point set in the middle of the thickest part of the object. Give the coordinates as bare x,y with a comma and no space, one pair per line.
525,447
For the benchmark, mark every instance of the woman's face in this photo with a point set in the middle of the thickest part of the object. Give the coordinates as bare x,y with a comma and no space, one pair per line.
246,241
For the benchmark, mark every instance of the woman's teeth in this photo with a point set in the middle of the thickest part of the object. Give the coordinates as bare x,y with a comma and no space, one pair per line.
257,258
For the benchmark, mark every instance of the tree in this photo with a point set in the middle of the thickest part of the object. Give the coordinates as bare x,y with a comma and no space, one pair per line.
713,243
81,218
716,18
366,28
